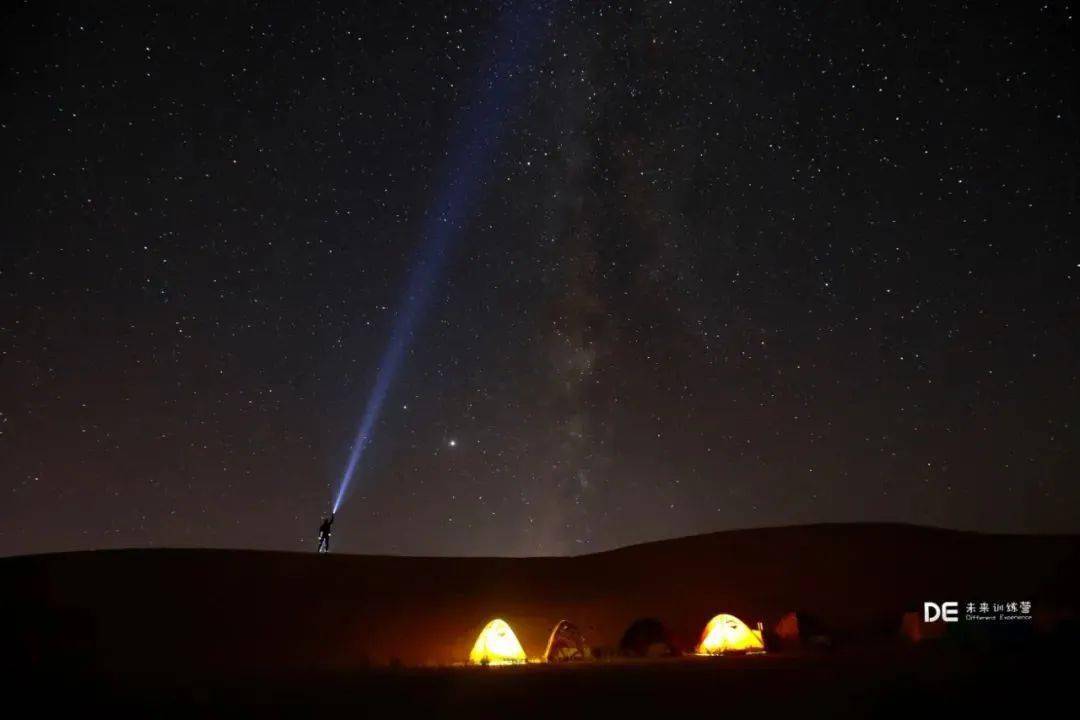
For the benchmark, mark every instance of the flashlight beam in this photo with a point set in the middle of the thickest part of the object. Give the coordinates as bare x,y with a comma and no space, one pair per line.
473,144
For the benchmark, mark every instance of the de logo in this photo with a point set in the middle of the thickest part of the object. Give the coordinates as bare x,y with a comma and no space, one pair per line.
946,611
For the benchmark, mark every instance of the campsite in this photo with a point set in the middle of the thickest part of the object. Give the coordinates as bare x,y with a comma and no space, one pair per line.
634,628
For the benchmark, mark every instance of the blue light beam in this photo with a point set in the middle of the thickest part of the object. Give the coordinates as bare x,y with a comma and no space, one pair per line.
473,144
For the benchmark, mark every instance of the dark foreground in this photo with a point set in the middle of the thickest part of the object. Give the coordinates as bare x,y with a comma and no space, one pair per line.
942,680
202,633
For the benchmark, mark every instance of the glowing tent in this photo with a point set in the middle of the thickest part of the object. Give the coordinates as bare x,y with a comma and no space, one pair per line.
727,633
496,645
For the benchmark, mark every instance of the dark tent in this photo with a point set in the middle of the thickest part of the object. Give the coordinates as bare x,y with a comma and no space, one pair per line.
566,643
646,638
799,629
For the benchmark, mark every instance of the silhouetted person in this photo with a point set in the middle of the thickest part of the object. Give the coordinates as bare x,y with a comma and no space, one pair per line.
324,533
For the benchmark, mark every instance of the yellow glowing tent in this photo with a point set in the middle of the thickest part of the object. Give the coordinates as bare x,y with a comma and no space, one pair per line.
496,645
727,633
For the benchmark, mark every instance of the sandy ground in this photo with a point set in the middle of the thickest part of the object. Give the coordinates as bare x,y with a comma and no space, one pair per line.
882,682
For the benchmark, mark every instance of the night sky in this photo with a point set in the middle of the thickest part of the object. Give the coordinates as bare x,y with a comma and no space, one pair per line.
728,265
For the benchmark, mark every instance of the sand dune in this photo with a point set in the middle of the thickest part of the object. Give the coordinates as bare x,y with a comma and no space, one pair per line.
171,610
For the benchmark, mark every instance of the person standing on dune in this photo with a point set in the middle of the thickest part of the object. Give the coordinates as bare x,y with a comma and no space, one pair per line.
324,533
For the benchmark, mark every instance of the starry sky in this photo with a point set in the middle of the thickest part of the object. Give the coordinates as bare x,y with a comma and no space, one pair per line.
729,265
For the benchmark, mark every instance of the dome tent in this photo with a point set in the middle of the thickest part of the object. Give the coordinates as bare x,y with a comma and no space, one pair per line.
566,643
727,633
646,637
799,629
496,645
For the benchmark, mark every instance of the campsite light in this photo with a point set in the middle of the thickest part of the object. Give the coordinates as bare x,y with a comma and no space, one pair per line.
727,633
497,645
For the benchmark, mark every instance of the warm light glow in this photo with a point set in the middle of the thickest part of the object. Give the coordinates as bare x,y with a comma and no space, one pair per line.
727,633
497,645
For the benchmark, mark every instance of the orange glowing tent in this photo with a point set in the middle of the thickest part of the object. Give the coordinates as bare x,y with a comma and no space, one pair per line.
727,633
496,645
